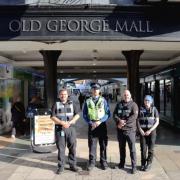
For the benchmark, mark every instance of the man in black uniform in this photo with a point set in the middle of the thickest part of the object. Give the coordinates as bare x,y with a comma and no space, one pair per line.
65,115
147,124
125,115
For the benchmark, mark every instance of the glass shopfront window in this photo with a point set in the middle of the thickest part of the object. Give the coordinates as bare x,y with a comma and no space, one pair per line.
168,97
152,88
165,97
177,97
161,84
149,88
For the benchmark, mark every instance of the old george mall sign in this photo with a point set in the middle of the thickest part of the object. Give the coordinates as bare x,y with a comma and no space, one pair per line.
95,23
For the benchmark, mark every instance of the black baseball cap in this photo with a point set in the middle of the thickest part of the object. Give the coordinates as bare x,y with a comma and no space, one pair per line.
95,86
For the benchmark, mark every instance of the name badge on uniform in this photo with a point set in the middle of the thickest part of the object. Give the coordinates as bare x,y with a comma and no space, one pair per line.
62,133
119,111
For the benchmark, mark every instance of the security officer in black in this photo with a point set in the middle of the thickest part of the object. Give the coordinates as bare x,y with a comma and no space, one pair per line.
125,115
65,115
147,123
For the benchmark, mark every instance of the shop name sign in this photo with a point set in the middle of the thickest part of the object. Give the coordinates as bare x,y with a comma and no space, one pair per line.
92,26
89,26
69,27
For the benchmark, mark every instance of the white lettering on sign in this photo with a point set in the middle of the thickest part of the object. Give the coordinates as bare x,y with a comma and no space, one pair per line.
82,25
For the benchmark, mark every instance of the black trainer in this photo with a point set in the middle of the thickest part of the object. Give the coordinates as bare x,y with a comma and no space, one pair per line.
142,168
60,170
148,167
74,168
104,166
90,167
119,166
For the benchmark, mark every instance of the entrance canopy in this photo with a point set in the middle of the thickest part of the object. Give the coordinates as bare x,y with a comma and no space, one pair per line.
91,59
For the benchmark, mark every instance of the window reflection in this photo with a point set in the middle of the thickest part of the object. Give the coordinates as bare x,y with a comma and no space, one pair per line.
162,96
165,97
168,87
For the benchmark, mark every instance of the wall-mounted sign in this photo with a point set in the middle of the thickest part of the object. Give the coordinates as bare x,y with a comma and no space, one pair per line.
62,23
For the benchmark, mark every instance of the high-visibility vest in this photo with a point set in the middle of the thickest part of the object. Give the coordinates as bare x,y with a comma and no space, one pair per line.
147,120
95,111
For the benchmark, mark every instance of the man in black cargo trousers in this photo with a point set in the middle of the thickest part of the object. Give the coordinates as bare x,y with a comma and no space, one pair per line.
65,114
125,115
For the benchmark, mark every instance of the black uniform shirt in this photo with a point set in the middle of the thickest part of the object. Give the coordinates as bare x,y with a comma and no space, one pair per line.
54,108
130,118
54,113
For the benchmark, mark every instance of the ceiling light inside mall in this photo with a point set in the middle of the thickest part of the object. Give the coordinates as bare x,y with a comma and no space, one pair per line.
95,54
94,61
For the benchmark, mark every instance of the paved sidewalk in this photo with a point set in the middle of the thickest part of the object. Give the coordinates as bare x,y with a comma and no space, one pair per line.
17,161
21,163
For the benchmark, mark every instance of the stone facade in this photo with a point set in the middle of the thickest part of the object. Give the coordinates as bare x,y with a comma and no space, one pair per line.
69,2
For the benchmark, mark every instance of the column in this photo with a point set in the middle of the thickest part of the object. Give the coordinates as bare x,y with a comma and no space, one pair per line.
132,58
50,68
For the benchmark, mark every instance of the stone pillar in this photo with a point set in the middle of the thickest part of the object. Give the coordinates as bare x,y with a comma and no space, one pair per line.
50,67
132,58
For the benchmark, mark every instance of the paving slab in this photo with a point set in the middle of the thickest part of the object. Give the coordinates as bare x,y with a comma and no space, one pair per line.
17,161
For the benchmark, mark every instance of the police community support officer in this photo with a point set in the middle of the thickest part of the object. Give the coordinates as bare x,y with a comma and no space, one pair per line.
125,115
147,124
96,112
65,115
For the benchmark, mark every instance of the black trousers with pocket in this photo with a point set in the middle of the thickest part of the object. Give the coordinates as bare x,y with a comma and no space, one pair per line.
130,138
66,137
147,144
98,134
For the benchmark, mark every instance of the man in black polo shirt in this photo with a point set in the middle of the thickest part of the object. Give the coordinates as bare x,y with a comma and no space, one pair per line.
125,115
65,114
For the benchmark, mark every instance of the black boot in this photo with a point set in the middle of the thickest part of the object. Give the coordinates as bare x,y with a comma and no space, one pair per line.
133,170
